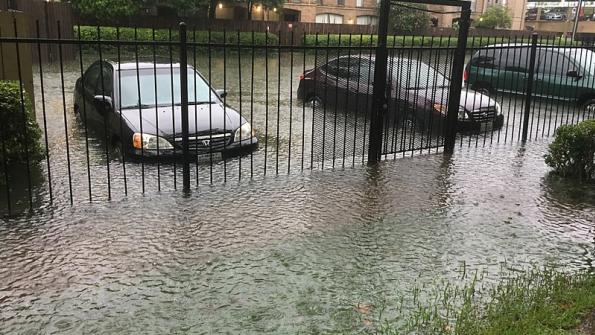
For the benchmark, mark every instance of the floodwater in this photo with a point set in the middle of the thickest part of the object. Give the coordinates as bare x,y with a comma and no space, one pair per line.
279,254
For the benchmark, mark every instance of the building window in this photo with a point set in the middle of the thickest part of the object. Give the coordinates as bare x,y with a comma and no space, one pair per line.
340,2
367,20
319,2
329,18
359,3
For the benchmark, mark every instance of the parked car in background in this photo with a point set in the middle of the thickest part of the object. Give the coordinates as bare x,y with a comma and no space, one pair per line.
139,105
418,92
555,16
560,73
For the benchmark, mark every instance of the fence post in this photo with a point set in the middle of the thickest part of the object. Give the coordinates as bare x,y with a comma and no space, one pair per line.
379,102
529,87
456,80
184,108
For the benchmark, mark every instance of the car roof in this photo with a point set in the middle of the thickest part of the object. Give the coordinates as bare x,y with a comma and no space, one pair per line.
142,65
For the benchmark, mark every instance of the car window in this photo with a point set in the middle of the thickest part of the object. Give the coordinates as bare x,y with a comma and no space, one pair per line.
515,59
365,68
91,78
411,74
147,79
339,68
583,57
488,58
107,87
553,63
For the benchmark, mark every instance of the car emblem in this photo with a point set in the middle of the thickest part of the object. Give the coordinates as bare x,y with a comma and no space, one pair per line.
206,143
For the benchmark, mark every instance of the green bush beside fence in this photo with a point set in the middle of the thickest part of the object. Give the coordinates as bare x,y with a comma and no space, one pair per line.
422,41
20,138
89,33
572,153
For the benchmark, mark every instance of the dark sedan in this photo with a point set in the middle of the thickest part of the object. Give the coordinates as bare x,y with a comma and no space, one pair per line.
418,92
139,105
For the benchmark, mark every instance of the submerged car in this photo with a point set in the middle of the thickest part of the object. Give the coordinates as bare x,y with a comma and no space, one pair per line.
139,107
418,92
560,73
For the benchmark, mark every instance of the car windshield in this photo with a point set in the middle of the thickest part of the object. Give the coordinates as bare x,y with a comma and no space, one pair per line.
156,88
417,75
585,58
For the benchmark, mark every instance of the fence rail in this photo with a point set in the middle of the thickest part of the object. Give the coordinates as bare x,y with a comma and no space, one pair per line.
113,120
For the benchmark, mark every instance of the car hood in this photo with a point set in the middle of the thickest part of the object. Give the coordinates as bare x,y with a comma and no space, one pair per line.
201,120
470,100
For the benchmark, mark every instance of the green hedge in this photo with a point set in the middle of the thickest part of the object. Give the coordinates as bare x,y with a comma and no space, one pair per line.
20,140
572,153
89,33
418,41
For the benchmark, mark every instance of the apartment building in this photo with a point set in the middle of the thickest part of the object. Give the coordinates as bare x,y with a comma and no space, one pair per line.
516,9
364,12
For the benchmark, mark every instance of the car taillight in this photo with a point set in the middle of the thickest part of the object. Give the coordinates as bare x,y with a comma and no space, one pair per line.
465,75
302,77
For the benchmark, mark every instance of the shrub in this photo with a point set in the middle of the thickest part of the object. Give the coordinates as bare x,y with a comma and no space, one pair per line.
427,41
572,153
90,33
19,139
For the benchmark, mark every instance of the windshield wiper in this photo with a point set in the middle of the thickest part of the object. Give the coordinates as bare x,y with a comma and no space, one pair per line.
197,103
137,106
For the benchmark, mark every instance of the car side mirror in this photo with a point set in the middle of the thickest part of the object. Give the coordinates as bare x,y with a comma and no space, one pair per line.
221,93
104,103
574,74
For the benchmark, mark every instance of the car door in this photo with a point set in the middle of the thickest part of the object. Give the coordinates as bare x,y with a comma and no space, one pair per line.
105,87
362,83
514,69
90,81
334,77
551,77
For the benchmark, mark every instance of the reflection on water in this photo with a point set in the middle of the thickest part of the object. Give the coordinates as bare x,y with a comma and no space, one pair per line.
288,254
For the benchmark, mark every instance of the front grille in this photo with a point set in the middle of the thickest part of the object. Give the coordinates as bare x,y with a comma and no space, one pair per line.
206,143
483,115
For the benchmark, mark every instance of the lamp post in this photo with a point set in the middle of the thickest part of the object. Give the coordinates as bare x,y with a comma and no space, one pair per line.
576,17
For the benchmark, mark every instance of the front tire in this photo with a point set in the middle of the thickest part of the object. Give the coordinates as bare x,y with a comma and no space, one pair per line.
313,101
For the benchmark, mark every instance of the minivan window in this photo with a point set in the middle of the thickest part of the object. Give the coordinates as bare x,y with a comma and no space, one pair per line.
515,59
553,63
486,58
584,58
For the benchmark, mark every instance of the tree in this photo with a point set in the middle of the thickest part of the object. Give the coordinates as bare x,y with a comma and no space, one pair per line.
408,17
496,16
107,10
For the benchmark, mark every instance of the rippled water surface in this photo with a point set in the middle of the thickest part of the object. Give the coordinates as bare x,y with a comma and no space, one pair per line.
277,254
290,253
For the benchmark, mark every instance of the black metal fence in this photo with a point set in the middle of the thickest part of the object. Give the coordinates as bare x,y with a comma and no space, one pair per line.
124,119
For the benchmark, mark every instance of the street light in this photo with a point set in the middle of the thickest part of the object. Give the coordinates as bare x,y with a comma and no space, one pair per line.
576,16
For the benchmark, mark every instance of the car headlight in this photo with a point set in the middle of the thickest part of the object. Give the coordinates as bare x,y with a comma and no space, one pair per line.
243,133
150,142
498,109
462,113
440,108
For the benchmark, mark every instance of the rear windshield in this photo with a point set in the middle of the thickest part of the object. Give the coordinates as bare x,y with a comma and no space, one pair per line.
156,88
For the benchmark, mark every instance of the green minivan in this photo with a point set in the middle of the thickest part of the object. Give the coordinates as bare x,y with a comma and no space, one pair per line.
560,73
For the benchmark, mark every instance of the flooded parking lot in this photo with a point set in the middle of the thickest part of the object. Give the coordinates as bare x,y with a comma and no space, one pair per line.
278,254
292,253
